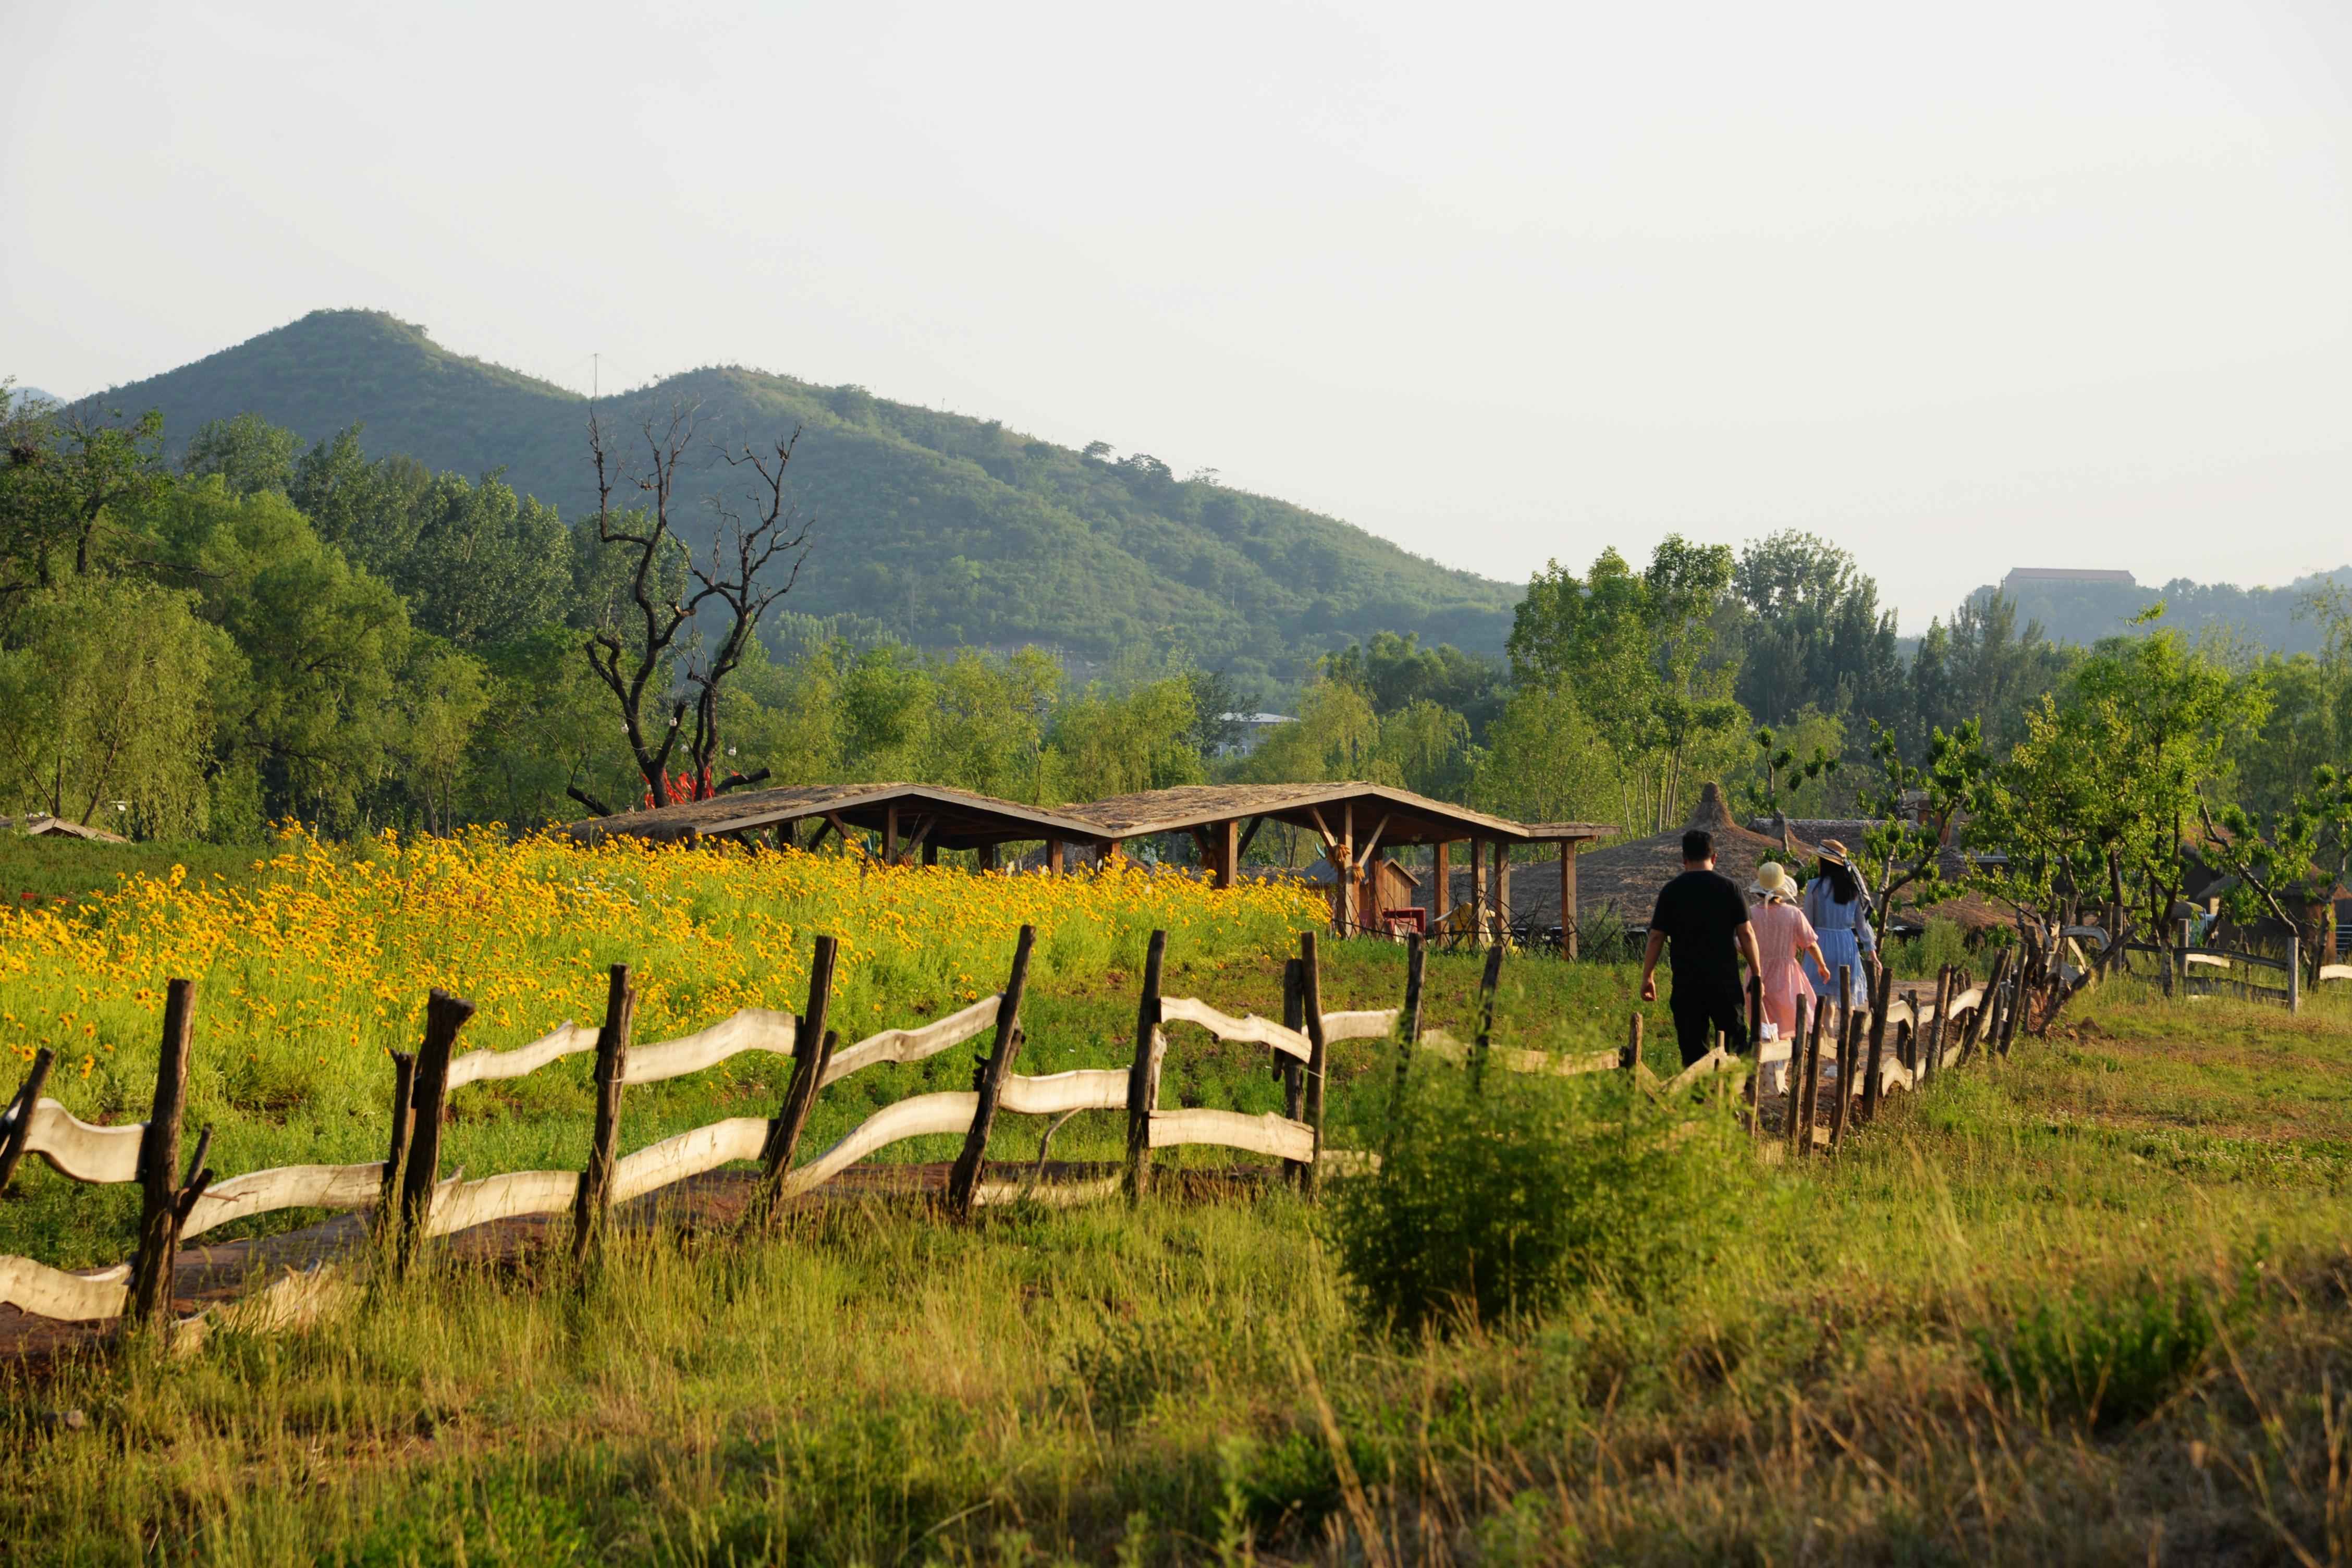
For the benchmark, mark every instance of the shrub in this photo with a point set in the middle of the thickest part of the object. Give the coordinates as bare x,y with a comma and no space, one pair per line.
1940,943
1498,1203
2110,1360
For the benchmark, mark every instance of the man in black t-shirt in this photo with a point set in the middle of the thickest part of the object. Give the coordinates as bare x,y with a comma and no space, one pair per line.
1702,913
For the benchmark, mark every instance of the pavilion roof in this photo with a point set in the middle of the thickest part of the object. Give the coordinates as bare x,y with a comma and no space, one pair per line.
959,818
1403,817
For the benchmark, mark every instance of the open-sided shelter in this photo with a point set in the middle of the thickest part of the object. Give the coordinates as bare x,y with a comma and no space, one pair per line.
909,819
1626,878
1356,824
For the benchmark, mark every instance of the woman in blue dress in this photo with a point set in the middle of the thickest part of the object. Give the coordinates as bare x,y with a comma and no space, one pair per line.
1838,911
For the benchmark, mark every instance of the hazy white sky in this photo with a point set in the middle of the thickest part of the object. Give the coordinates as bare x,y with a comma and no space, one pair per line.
1961,288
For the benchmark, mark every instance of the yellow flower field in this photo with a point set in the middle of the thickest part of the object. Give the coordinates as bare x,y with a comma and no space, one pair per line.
309,974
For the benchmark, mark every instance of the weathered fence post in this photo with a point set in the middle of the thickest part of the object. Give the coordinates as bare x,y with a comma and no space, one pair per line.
1489,982
20,1110
159,1165
1884,999
444,1015
2019,1000
593,1201
1629,1059
1288,1069
1793,1086
1408,1026
1143,1075
812,1054
1754,1092
1979,1014
1812,1075
1936,1026
395,1159
2294,988
988,1080
1310,975
1847,1022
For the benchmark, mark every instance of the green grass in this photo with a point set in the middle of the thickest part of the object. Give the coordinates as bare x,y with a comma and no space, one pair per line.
2088,1305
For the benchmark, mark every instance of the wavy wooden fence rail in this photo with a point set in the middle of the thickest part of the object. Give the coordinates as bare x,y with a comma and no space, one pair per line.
1872,1050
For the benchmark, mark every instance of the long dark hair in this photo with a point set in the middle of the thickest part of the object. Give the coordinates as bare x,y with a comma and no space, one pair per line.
1842,883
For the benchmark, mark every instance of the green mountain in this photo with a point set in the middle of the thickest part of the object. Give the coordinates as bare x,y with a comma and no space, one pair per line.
934,527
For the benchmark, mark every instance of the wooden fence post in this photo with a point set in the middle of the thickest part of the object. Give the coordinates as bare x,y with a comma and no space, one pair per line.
1629,1059
444,1015
1936,1025
1977,1014
20,1128
1310,976
1408,1021
1794,1085
594,1202
404,1121
988,1079
1812,1077
1847,1025
812,1054
2294,986
2020,998
1489,982
1143,1075
1754,1092
159,1165
1884,999
1287,1067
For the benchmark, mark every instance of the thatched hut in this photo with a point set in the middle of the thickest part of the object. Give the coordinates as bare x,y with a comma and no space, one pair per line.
1625,879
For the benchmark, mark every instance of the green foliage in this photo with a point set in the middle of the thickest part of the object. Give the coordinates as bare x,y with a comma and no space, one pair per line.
1815,636
1637,651
2110,1359
105,707
1545,761
1496,1201
1941,943
941,529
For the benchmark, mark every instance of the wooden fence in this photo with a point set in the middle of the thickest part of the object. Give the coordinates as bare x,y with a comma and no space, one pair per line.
1872,1051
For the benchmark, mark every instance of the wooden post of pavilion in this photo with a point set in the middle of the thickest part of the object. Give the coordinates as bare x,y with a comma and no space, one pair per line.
1228,845
1477,889
1568,898
890,835
1502,890
1440,878
1054,856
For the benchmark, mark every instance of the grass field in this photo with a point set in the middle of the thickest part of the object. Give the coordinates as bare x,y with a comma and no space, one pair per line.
2093,1306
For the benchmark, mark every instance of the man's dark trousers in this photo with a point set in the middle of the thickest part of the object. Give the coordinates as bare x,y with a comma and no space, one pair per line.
1699,1010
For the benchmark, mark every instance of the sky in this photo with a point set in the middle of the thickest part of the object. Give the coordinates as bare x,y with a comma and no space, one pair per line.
1959,288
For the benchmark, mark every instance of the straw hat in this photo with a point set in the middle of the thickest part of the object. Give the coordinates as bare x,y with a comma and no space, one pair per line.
1773,881
1836,854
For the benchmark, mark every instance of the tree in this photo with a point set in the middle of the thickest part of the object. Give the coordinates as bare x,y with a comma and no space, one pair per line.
1545,761
74,483
2289,872
1914,808
642,652
1636,651
105,707
440,699
1813,633
1785,771
251,455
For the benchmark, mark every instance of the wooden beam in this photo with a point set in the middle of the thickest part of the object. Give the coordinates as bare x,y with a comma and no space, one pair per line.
1568,898
1248,838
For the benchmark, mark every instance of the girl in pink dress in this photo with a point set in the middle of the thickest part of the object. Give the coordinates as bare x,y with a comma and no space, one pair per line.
1783,933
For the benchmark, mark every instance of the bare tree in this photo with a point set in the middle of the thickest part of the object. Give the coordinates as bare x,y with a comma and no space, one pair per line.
658,664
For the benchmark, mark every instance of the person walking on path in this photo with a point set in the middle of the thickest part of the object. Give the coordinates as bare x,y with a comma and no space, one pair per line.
1839,910
1703,914
1782,935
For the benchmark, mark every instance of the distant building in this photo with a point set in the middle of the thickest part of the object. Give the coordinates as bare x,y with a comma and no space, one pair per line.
1251,730
2025,576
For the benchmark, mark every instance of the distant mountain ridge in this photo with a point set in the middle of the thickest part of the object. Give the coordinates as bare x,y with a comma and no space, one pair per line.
939,528
2071,610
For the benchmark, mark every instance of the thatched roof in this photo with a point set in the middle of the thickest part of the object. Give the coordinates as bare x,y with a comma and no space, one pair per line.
1403,817
956,819
1626,877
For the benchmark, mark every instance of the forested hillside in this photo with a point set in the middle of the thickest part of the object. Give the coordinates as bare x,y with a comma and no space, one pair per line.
938,529
2279,619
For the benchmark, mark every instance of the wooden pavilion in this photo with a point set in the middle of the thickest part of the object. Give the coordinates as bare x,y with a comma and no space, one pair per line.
1356,824
908,820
